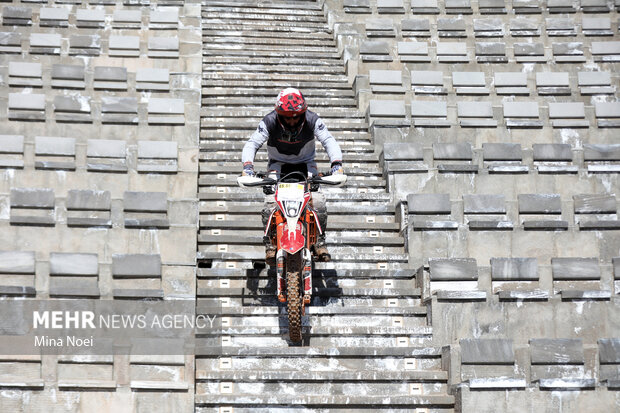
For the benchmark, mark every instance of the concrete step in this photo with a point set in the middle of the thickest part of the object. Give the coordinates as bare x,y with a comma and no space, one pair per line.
272,41
411,311
223,52
257,239
352,257
253,110
239,194
272,92
322,320
250,31
418,376
316,340
288,16
352,389
327,400
331,352
317,292
257,107
320,279
261,156
282,7
348,148
271,4
276,85
355,146
352,182
318,302
333,208
268,284
233,61
355,388
333,225
371,253
219,273
251,124
324,409
316,331
341,221
243,135
233,168
283,77
332,239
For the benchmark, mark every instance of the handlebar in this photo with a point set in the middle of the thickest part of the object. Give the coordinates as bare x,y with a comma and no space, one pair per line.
250,181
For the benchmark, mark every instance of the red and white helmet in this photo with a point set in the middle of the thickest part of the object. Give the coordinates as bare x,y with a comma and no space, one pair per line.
291,103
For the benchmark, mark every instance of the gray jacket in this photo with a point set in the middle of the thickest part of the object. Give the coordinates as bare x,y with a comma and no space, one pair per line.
301,151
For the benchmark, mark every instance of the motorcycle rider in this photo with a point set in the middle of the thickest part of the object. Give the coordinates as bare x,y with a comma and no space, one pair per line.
290,130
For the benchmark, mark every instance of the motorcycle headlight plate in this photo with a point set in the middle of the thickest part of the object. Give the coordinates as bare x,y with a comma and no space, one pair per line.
291,208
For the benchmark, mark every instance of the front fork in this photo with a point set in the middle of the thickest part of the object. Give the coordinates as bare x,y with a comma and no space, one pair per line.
280,276
306,275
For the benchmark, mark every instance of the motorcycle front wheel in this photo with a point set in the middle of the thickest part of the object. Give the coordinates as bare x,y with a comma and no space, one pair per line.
294,297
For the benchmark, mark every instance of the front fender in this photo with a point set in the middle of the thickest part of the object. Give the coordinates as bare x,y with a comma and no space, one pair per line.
291,241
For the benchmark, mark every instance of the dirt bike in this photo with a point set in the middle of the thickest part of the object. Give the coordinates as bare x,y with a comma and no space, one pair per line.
294,227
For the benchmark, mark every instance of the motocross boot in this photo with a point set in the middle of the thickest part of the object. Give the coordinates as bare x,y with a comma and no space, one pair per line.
270,252
320,249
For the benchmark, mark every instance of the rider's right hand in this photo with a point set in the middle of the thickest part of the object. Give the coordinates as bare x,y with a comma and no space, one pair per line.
248,170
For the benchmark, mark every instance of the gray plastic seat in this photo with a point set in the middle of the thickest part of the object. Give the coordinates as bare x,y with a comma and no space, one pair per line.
21,266
54,153
26,106
127,19
536,210
595,83
45,43
511,83
32,207
357,6
390,7
486,212
16,16
386,81
11,152
157,157
163,111
522,115
104,155
53,17
74,275
160,19
430,114
413,52
72,109
68,76
85,45
375,51
23,74
452,52
124,46
89,208
145,210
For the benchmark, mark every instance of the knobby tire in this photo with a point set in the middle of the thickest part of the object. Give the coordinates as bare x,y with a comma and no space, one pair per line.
293,290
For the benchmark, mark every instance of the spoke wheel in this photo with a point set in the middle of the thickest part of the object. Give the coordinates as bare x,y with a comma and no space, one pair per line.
293,306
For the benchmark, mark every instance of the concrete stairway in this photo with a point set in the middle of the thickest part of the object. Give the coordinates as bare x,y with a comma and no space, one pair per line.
366,331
